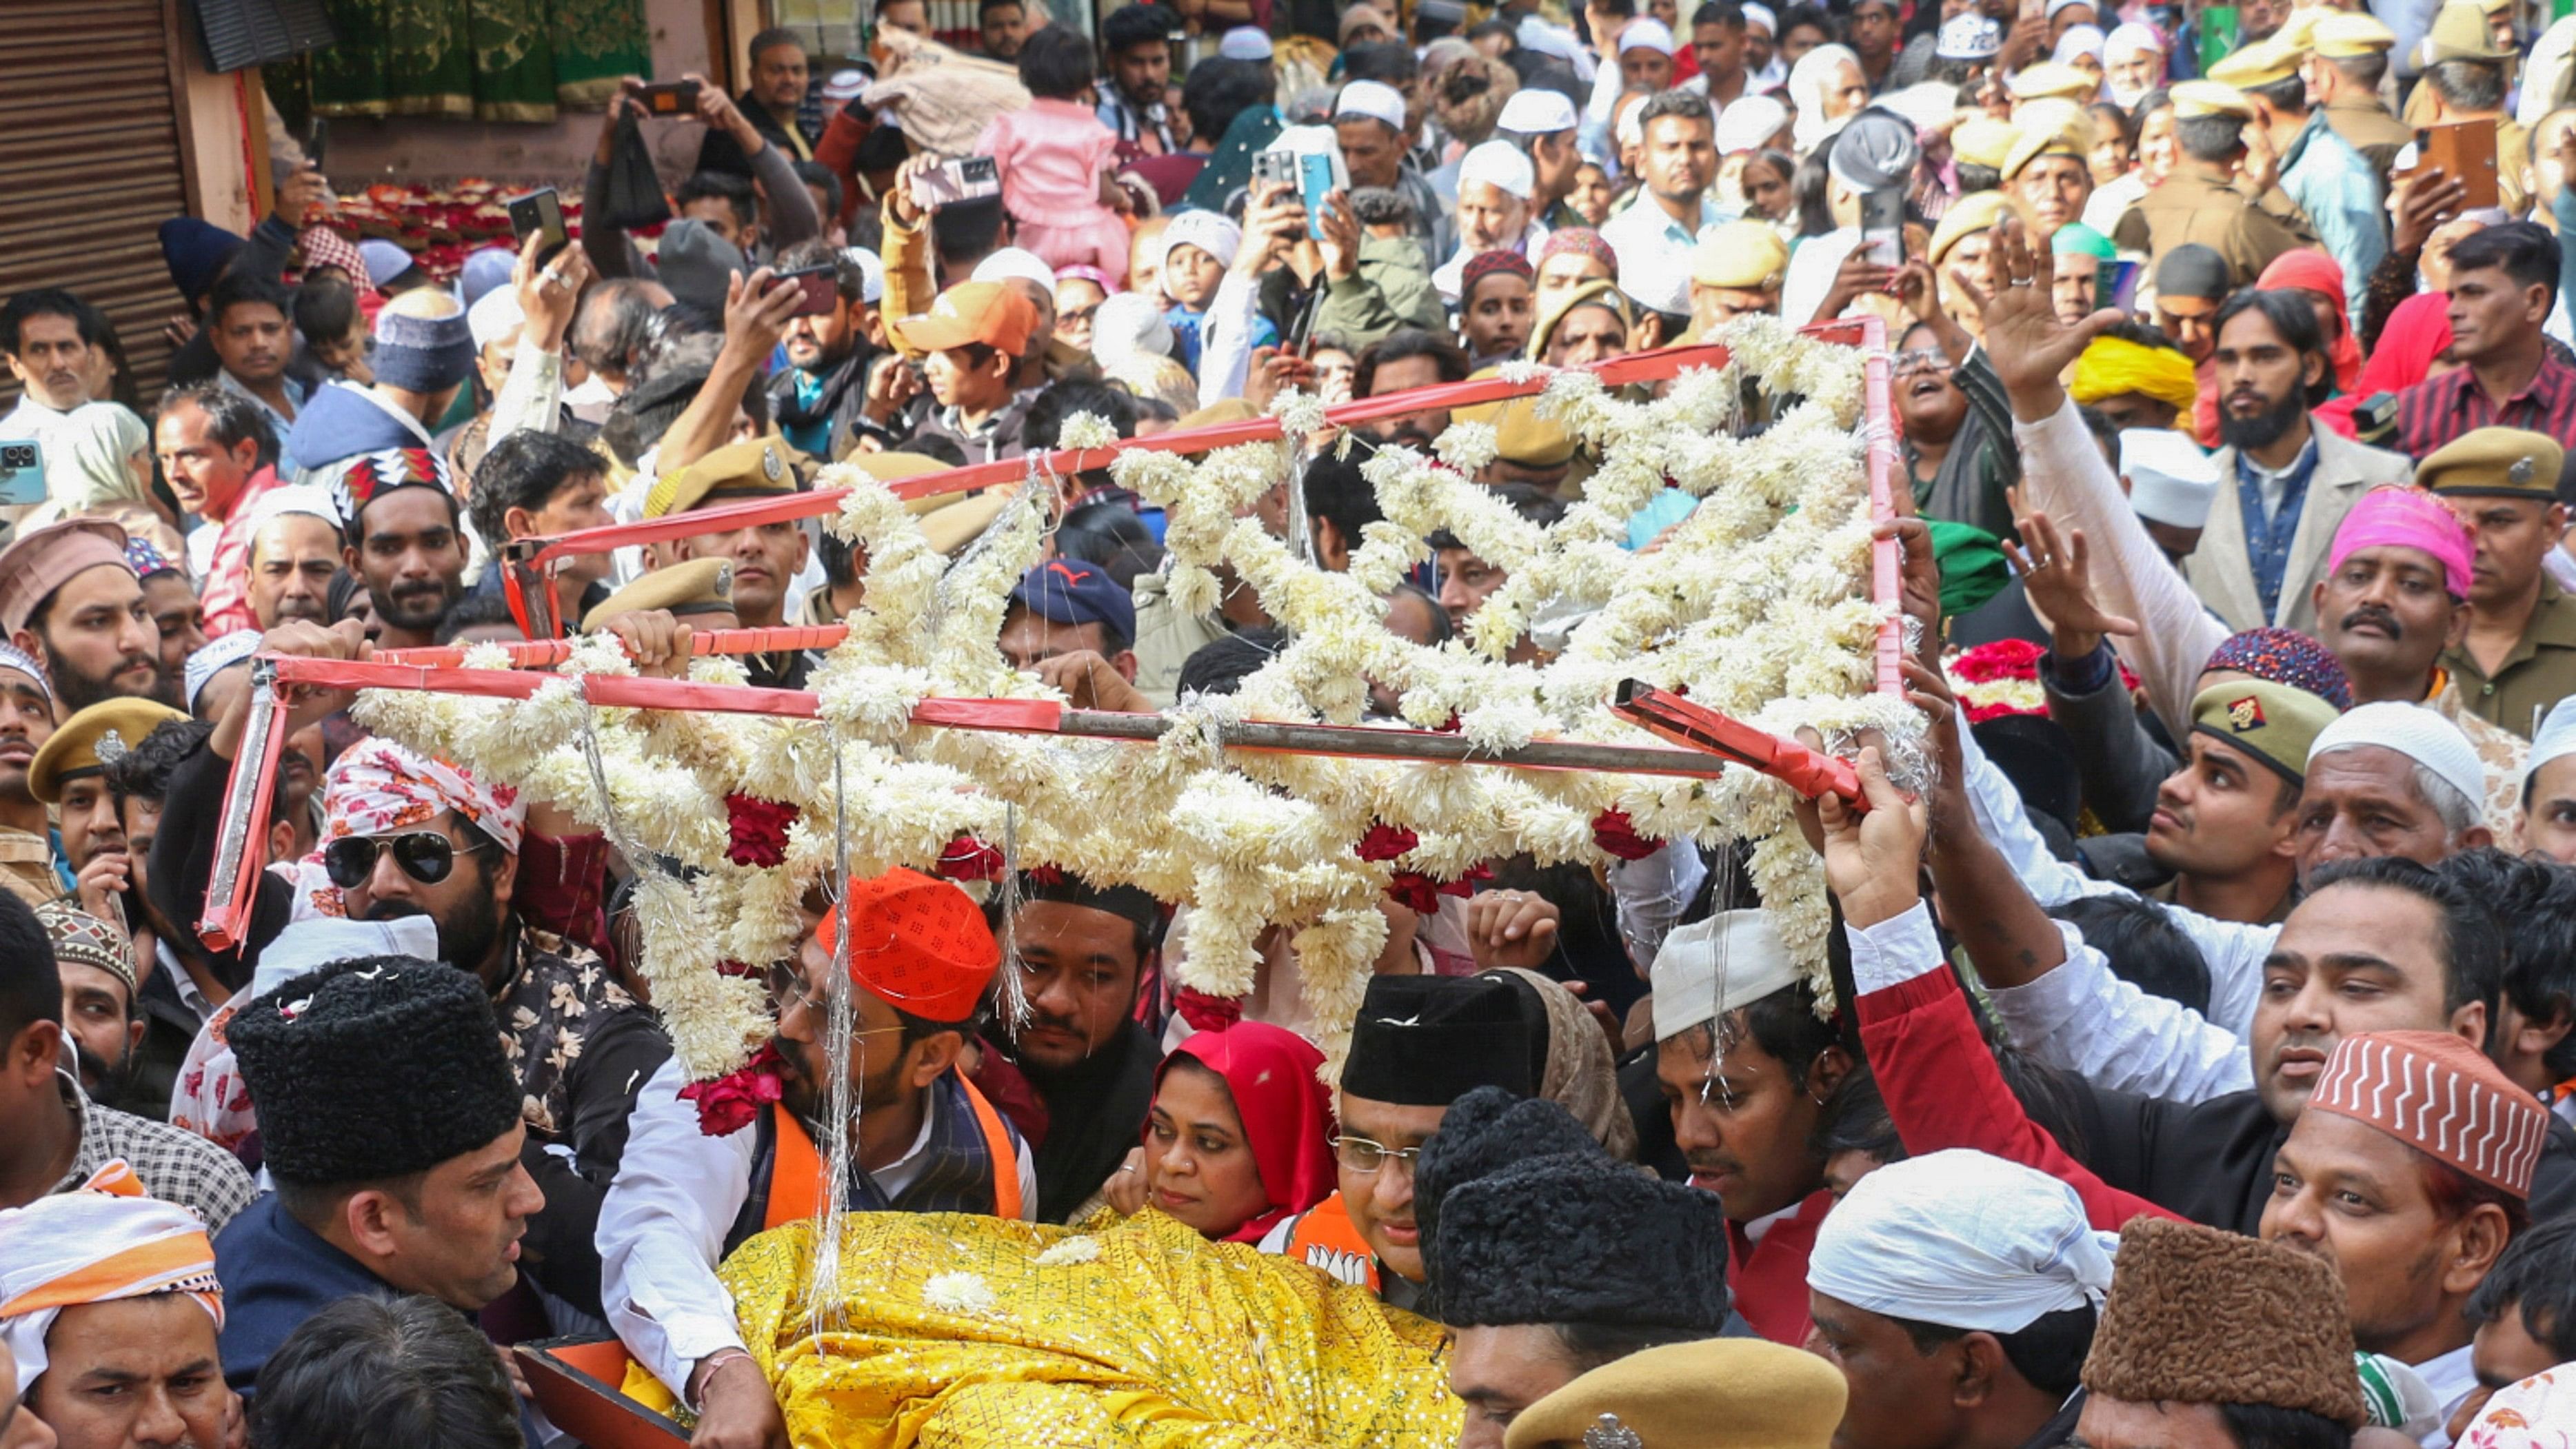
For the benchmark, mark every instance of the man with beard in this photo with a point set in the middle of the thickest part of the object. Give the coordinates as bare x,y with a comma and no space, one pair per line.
404,539
70,601
2520,654
1745,1062
1082,952
2443,1147
703,1177
220,456
100,1023
1419,1044
2259,563
1404,359
818,396
1958,1294
28,868
171,603
53,1138
294,550
405,835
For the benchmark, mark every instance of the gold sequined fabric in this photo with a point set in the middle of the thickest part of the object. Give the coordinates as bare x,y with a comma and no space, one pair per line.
951,1333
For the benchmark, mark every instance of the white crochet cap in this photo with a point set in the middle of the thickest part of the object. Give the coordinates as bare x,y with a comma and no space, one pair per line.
1374,99
1127,326
2556,740
1209,231
1647,34
1014,263
1537,111
2415,731
1745,125
2130,38
844,86
307,498
871,273
1761,15
1501,165
1245,42
2170,479
493,316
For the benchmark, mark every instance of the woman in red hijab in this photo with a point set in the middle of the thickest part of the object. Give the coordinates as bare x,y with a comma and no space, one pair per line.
1238,1136
2321,277
2417,335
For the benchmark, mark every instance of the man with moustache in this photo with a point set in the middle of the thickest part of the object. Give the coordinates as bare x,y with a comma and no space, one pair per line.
405,538
294,551
28,856
70,774
407,835
70,601
220,455
1405,359
2258,563
699,1179
766,557
1082,952
2519,657
95,959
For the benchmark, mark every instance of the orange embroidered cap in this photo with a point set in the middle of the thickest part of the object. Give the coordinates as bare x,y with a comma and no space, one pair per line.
919,944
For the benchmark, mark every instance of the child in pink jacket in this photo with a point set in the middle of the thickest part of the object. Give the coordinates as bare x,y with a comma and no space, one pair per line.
1054,158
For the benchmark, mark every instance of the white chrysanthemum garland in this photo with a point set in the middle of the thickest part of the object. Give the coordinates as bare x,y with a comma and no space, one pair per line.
1753,604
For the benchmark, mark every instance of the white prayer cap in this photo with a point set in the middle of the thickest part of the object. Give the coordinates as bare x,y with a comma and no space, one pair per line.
1685,975
1245,42
2415,731
871,273
1749,122
1926,104
2555,740
493,316
1537,111
2130,38
1761,15
1548,39
1963,1240
2078,40
844,86
2170,479
2054,6
1657,280
1209,231
1631,130
1646,34
1129,325
1501,165
213,659
1374,99
1972,36
1013,263
306,498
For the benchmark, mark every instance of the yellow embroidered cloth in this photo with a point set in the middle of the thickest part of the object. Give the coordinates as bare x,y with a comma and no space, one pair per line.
953,1334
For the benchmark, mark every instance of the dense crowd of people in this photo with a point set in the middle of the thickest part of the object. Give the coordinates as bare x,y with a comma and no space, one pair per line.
2199,1067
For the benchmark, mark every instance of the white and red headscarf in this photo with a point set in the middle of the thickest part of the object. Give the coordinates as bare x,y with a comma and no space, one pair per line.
377,787
96,1246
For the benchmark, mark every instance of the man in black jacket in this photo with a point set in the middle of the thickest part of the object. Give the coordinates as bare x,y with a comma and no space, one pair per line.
817,397
774,103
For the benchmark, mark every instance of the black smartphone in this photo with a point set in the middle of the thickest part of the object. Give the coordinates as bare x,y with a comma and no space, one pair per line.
539,214
669,98
821,284
317,140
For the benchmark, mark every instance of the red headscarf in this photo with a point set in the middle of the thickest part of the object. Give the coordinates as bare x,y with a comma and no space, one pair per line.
2417,332
2309,270
1287,1113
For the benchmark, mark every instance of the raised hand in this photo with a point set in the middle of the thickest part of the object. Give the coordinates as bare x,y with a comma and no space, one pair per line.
1872,860
2057,576
2030,347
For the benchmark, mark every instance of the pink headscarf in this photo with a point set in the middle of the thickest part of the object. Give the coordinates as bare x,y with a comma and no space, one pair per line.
2418,331
2308,270
2406,517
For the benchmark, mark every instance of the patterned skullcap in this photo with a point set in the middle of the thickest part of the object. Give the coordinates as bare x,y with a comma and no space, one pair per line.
918,943
2285,656
1580,240
374,475
146,557
79,936
2441,1096
1485,264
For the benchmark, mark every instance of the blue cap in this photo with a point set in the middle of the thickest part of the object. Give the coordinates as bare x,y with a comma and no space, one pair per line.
1070,591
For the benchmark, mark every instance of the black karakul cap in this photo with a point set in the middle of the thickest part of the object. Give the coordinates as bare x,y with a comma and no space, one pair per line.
1485,1132
374,1068
1578,1238
1426,1041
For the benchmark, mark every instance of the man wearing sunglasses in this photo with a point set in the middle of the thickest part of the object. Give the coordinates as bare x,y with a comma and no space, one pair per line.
1420,1043
701,1179
406,835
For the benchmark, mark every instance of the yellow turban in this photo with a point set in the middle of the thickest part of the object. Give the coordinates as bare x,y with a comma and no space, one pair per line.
2114,365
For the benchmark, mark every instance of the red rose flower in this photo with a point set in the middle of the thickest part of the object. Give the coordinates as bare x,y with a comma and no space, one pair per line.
1414,891
1617,835
1386,842
730,967
968,858
730,1103
759,830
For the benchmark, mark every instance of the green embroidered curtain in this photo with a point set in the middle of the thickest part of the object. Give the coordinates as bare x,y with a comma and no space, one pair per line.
489,60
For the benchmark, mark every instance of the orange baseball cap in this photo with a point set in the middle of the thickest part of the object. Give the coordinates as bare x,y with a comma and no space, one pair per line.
992,313
919,944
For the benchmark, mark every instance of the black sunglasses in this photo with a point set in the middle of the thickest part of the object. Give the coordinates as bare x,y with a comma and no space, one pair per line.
425,855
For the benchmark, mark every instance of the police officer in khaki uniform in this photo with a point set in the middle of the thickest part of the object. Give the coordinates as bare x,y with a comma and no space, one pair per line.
2344,71
2199,202
2520,654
